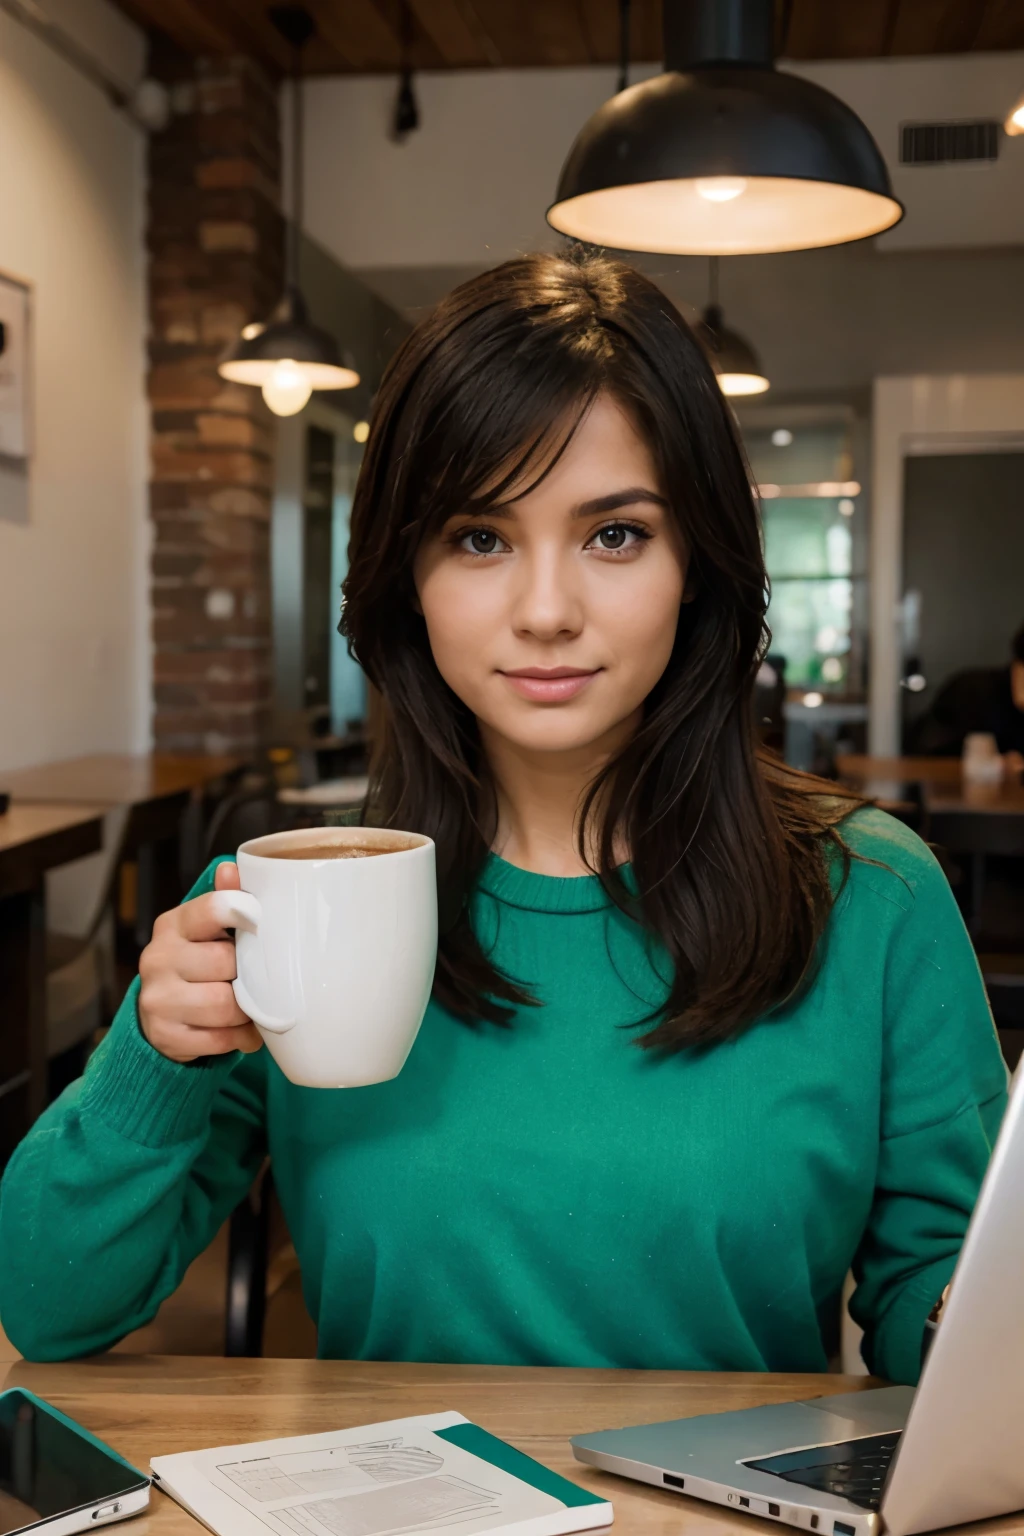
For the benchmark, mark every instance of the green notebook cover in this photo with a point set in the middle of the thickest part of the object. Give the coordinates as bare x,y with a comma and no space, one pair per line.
470,1437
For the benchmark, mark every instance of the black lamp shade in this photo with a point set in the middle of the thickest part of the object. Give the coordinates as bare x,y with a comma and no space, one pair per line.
734,360
288,335
720,160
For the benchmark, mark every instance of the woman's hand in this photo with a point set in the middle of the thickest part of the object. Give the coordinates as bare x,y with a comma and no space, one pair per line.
186,1006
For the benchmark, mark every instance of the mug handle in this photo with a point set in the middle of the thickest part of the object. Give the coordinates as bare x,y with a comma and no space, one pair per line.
238,909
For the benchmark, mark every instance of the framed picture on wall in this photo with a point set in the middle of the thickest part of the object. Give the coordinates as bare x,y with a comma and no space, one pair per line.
15,361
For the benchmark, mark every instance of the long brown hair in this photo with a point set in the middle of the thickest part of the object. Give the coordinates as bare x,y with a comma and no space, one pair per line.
728,848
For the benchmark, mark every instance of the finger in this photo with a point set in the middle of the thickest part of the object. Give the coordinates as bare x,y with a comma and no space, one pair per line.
216,1042
213,961
179,1042
200,919
202,1004
226,877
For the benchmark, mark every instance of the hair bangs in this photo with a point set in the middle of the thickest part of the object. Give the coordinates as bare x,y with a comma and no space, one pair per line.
517,442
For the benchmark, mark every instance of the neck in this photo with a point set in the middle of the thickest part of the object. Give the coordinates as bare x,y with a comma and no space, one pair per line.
540,795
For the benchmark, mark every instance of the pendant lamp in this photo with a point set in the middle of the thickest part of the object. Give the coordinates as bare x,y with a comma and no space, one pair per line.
723,154
736,364
287,356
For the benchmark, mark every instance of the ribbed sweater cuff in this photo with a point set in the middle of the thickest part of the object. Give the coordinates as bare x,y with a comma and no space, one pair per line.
900,1338
142,1095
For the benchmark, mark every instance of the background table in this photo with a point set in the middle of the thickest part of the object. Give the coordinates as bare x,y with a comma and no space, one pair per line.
33,839
164,792
150,1406
118,778
859,769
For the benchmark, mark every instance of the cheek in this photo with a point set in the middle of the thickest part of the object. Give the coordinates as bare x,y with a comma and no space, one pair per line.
461,618
640,617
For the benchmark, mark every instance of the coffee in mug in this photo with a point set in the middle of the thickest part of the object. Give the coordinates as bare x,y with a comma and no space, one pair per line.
335,944
353,850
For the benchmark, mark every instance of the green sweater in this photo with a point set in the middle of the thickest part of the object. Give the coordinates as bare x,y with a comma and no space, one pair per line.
550,1194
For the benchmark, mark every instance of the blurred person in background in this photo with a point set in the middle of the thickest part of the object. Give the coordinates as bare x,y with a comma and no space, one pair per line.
985,700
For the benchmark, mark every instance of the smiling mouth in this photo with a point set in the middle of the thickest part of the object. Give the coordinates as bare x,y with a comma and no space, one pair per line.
550,685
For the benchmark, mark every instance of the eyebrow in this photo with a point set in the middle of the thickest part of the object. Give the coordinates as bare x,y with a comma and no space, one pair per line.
630,497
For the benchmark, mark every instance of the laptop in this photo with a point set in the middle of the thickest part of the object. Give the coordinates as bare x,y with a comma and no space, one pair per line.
891,1459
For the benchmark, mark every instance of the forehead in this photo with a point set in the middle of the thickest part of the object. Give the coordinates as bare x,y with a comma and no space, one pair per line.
595,453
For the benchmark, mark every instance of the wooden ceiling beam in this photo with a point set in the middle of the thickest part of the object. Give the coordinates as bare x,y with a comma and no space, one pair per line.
1002,26
364,36
194,27
456,31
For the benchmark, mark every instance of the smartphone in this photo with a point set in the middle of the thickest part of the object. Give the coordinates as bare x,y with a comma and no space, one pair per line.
56,1476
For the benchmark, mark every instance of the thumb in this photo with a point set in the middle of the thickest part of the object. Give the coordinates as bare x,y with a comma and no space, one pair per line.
226,877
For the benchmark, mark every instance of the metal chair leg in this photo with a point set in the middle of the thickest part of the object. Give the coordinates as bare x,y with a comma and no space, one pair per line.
247,1272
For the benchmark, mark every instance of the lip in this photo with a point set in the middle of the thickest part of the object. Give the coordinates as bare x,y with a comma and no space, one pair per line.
550,685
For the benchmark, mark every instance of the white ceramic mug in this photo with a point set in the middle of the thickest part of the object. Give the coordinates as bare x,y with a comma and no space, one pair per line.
335,956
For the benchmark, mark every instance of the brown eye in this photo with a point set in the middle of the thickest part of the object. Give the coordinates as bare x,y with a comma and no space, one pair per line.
482,541
613,537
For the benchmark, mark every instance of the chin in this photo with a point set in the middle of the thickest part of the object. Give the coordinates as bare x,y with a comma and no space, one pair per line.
553,729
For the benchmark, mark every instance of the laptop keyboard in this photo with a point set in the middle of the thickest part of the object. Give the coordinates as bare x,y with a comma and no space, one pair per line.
855,1470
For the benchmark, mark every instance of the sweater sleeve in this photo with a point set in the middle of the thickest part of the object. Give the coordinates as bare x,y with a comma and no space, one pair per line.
120,1184
943,1095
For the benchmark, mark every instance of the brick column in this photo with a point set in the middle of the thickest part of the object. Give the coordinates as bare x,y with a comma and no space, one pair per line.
216,243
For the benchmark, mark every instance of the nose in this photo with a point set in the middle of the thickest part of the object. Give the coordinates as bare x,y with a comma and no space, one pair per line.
547,601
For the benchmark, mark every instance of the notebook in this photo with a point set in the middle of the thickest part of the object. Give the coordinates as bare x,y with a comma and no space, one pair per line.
435,1472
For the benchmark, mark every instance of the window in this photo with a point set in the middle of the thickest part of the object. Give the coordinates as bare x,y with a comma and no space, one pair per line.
815,551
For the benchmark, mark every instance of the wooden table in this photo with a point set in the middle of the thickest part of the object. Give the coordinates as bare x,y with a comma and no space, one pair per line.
159,787
941,779
33,839
860,769
118,778
149,1406
1006,798
968,819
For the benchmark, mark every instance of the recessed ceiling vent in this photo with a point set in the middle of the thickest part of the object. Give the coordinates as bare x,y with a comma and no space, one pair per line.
942,143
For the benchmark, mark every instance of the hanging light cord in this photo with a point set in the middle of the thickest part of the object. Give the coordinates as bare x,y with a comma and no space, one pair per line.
295,231
624,43
713,282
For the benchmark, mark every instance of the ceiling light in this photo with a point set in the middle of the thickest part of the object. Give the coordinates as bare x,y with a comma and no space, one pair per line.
722,153
720,189
1015,122
734,360
782,437
289,357
286,388
361,431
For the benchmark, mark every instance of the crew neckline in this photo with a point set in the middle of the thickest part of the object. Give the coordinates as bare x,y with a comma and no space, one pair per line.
541,893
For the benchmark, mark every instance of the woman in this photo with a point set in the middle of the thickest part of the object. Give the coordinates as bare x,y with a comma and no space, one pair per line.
701,1037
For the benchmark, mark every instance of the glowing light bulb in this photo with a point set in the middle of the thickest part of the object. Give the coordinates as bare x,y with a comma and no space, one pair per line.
361,431
1015,122
742,383
287,389
721,189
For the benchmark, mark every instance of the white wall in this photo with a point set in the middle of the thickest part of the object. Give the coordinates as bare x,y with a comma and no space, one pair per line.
74,661
471,186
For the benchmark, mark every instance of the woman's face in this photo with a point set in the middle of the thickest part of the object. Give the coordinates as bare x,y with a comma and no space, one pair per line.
553,615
